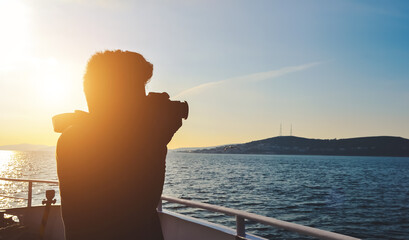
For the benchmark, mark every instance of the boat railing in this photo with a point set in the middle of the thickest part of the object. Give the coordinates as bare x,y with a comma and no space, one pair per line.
240,215
30,187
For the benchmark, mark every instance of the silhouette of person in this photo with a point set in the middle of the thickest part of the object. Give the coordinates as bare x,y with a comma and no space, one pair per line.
111,161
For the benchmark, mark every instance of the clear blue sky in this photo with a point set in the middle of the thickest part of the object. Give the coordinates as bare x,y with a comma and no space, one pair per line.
332,69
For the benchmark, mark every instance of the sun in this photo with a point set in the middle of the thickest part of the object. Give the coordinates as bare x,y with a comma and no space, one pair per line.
52,85
43,79
53,90
15,28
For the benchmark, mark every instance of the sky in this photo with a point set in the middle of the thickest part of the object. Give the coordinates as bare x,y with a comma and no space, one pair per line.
330,69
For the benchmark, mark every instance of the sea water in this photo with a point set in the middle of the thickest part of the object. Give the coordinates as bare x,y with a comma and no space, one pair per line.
365,197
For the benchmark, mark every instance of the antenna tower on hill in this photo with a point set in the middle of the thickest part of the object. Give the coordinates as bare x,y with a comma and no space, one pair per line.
281,130
291,130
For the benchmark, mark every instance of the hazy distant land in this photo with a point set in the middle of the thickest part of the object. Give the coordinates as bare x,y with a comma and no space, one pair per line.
27,147
290,145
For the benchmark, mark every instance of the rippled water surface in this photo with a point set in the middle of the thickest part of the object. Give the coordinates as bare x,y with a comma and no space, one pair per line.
365,197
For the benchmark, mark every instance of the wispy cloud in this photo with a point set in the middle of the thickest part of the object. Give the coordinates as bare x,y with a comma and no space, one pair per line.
249,78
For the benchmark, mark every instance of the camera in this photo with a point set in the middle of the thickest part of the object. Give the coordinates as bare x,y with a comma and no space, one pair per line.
175,108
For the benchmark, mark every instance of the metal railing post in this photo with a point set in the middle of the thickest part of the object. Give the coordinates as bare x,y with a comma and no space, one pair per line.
240,227
159,208
30,193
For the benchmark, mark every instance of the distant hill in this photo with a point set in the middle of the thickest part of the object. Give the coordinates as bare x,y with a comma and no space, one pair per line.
27,147
290,145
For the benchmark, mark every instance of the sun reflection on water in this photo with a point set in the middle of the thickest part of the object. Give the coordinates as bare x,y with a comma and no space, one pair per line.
26,165
9,169
5,157
12,163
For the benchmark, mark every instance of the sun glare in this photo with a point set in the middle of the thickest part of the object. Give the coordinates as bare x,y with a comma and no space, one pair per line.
45,75
53,91
14,24
52,87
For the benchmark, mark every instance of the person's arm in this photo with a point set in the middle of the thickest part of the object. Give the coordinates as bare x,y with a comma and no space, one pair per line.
69,164
164,121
